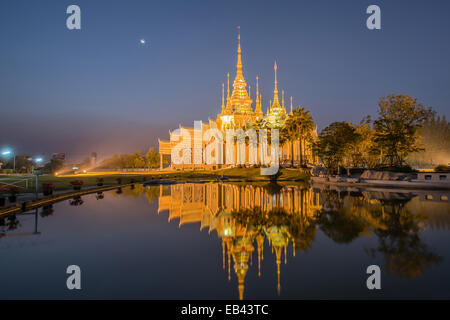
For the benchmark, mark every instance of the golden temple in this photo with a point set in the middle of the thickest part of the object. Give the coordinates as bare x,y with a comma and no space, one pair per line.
236,112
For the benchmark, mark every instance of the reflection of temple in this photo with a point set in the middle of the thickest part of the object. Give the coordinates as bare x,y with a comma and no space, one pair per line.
213,205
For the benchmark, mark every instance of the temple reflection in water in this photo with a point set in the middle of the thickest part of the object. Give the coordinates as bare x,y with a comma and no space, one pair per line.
288,218
219,208
245,215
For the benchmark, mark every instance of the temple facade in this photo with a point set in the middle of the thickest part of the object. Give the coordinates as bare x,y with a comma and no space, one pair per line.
237,112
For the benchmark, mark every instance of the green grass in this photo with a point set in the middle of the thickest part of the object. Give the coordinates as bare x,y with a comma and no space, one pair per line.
62,183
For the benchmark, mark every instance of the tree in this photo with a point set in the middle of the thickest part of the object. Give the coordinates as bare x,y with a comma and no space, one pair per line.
299,125
361,150
138,160
434,135
152,158
334,143
23,165
54,165
399,118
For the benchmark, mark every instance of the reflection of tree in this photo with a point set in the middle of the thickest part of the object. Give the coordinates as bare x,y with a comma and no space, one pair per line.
405,254
331,200
299,229
340,226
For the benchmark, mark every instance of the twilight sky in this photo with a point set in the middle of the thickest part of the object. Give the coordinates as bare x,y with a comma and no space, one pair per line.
99,89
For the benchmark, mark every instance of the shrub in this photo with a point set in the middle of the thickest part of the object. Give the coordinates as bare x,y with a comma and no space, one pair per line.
13,190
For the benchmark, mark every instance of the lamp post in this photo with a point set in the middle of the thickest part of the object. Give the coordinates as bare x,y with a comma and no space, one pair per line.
37,173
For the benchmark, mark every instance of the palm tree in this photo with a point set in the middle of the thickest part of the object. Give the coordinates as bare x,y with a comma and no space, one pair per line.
298,126
290,132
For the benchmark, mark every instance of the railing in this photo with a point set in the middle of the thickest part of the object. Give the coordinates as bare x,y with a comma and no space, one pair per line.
20,182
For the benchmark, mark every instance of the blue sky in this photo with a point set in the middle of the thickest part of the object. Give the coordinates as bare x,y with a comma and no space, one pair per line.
98,89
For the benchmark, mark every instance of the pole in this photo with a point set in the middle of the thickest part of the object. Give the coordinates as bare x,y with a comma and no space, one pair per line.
37,185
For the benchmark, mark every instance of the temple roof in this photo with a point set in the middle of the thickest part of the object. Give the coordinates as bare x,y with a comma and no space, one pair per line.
240,101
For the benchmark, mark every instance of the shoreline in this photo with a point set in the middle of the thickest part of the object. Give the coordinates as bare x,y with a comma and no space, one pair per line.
406,185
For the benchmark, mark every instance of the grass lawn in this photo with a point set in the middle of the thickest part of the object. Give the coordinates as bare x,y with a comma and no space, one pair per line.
90,179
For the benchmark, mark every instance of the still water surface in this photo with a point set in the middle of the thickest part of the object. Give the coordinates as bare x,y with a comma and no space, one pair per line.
225,241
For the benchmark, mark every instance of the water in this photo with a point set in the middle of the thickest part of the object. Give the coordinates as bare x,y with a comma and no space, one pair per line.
223,241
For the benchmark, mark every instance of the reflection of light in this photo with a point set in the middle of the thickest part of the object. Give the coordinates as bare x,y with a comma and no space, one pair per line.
228,232
226,120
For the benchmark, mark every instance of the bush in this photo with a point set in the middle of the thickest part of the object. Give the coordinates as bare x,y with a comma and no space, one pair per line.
442,168
13,190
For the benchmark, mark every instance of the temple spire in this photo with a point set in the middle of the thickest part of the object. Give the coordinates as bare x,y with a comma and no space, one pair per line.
223,97
258,109
276,102
257,92
239,60
240,102
228,91
282,100
291,104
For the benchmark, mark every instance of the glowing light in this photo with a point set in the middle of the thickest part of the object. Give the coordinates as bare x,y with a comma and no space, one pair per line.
38,160
142,41
6,152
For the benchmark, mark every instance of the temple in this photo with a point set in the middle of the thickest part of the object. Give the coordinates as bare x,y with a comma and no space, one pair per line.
237,112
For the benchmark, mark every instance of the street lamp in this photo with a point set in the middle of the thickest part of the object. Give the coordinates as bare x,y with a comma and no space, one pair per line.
37,173
7,152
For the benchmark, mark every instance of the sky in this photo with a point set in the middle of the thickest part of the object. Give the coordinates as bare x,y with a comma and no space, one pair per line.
99,89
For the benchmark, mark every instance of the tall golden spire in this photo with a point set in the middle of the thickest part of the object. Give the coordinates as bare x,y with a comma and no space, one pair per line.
228,93
282,100
240,100
260,102
249,92
276,102
239,60
277,113
223,97
258,110
257,91
291,104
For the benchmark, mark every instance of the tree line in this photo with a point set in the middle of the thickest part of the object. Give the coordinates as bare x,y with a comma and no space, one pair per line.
404,133
133,161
